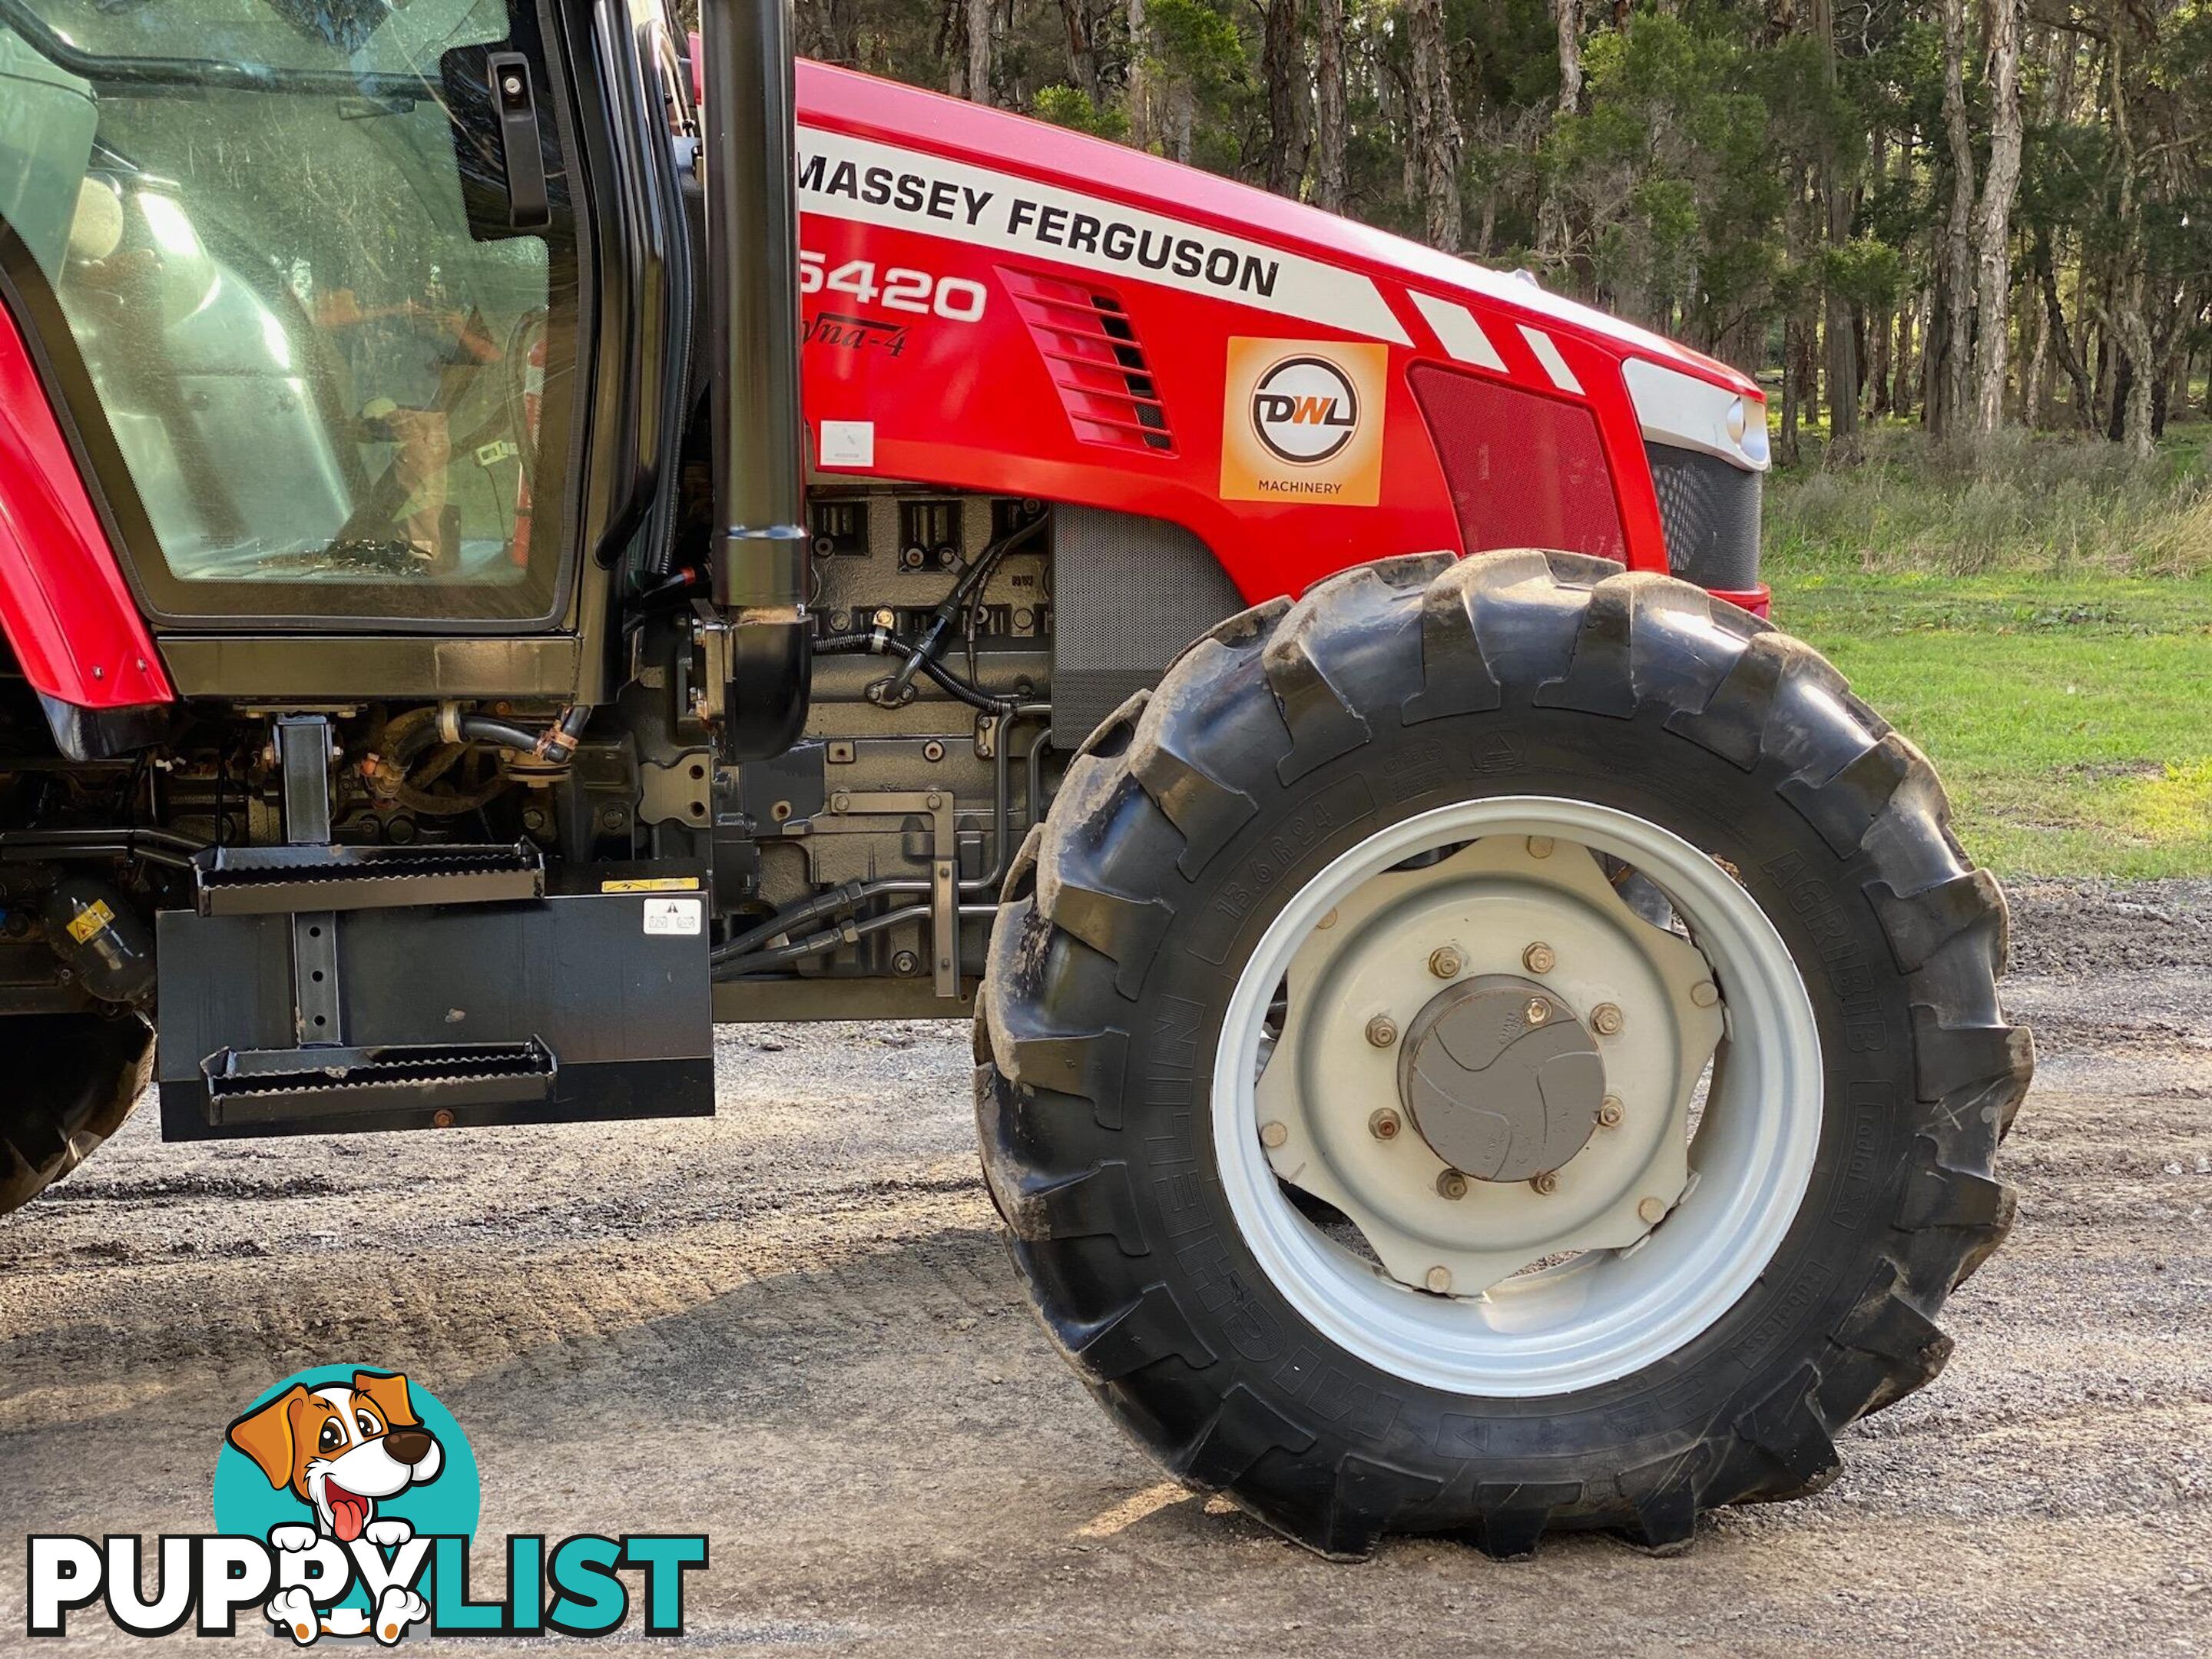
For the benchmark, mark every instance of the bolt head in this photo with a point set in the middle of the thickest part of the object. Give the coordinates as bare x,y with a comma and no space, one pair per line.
1274,1134
1384,1124
1439,1280
1540,846
1651,1212
1544,1181
1539,958
1445,962
442,1118
1382,1031
1609,1112
933,802
840,801
1451,1184
1705,993
932,751
1606,1019
1537,1012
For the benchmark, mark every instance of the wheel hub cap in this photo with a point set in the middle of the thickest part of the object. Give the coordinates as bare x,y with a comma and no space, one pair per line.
1502,1074
1501,1079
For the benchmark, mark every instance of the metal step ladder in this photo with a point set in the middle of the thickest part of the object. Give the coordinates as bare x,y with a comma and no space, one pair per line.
312,880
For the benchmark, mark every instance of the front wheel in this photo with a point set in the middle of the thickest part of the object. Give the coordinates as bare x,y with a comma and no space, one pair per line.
1497,1045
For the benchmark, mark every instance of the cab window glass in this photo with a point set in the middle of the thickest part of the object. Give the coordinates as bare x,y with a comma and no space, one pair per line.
279,233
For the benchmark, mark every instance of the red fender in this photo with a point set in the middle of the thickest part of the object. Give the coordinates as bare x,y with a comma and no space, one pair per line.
65,608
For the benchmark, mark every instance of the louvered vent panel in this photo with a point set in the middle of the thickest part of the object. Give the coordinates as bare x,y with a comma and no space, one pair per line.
1094,359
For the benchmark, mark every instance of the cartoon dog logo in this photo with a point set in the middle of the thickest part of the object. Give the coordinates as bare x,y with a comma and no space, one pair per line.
339,1449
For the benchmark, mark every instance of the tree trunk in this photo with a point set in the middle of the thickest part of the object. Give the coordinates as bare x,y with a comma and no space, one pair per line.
1082,47
1552,213
1282,66
1994,231
1141,77
1949,387
2061,343
1328,93
1790,414
1901,400
2128,321
1568,14
979,50
1843,357
1436,123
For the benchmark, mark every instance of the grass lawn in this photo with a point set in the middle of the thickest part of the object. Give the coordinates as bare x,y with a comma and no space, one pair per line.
2071,716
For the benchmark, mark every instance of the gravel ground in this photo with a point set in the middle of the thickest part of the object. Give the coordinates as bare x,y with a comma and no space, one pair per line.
793,1327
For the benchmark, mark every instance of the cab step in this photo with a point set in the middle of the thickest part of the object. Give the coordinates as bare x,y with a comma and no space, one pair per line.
261,881
271,1085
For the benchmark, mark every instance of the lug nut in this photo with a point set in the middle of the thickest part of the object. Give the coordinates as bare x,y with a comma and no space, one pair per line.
1274,1134
1384,1124
1440,1280
1651,1212
1606,1019
1445,962
1537,1012
1381,1031
1545,1182
1608,1112
1539,958
1705,993
1451,1184
1540,846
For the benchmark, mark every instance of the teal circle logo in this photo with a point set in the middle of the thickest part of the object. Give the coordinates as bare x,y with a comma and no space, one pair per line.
343,1450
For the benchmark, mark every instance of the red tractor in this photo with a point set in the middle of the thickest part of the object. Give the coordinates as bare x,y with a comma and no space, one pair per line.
1475,1029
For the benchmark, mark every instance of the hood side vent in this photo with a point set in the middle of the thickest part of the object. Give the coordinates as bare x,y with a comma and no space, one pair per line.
1091,351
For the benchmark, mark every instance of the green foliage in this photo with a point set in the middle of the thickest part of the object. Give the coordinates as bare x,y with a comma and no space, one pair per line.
2048,505
2038,616
1071,107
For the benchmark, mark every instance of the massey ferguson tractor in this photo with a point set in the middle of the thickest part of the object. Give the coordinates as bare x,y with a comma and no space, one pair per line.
508,558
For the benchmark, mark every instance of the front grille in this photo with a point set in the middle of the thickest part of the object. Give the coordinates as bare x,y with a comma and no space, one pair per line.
1710,512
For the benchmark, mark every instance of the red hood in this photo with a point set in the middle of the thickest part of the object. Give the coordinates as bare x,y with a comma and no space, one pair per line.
845,101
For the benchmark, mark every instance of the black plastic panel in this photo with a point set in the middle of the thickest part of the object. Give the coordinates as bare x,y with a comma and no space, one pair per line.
1128,593
1710,511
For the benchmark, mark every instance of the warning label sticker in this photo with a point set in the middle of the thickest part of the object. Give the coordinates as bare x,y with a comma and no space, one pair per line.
678,917
1302,420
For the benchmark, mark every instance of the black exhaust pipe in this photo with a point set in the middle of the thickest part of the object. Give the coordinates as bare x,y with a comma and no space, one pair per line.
760,571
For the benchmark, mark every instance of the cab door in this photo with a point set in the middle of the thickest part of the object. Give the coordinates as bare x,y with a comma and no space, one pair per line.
305,275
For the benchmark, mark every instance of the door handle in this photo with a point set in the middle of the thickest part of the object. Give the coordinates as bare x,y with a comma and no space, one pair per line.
515,96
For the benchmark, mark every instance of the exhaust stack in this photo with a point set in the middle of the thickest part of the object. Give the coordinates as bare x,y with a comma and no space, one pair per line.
761,568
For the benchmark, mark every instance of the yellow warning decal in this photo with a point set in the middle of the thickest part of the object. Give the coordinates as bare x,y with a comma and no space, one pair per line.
90,920
653,884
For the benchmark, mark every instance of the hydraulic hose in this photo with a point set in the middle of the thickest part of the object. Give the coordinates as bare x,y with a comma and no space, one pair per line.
882,642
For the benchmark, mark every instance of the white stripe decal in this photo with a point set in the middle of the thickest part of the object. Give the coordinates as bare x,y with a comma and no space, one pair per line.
1460,332
1547,353
857,178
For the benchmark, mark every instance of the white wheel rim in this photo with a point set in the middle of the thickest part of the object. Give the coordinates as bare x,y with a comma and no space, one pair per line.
1604,1314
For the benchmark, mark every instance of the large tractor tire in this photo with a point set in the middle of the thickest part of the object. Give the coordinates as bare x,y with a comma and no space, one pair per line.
1377,1159
67,1081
